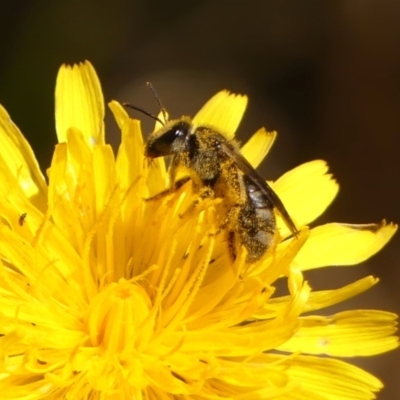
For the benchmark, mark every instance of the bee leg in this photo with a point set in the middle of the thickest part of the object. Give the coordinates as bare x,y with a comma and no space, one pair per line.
176,186
205,193
230,216
231,245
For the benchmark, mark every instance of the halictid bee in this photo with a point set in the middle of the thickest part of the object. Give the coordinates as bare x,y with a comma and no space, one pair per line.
218,169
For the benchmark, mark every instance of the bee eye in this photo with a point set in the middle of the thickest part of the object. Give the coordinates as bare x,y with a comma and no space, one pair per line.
178,133
168,137
164,144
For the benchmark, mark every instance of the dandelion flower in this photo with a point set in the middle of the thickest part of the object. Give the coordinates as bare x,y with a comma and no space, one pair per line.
104,295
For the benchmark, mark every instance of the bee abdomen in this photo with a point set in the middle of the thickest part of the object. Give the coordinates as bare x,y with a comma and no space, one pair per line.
256,228
257,197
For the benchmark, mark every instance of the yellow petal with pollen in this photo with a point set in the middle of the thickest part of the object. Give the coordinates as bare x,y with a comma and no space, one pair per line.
17,157
79,103
347,334
258,146
342,244
224,111
306,192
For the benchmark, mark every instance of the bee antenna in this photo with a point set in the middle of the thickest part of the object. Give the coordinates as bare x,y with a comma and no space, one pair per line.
143,112
164,112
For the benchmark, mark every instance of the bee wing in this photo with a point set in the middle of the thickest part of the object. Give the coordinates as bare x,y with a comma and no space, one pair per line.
259,181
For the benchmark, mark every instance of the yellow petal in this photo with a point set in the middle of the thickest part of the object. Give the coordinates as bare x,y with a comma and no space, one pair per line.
237,341
323,298
18,163
347,334
306,192
223,112
326,298
103,175
258,146
31,264
162,116
326,378
79,103
129,163
343,244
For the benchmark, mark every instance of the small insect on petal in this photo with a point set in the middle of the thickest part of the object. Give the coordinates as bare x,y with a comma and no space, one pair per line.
21,219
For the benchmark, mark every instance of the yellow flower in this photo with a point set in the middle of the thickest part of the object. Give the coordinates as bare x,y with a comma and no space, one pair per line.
104,295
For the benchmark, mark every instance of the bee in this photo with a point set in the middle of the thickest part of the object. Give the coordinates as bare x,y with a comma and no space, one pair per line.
218,170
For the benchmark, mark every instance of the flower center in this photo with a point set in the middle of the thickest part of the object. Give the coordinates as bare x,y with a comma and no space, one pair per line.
116,316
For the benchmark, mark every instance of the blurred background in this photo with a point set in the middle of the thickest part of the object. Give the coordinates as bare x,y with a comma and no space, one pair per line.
324,74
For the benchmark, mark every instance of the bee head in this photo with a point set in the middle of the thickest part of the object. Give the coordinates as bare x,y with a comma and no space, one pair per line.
170,139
